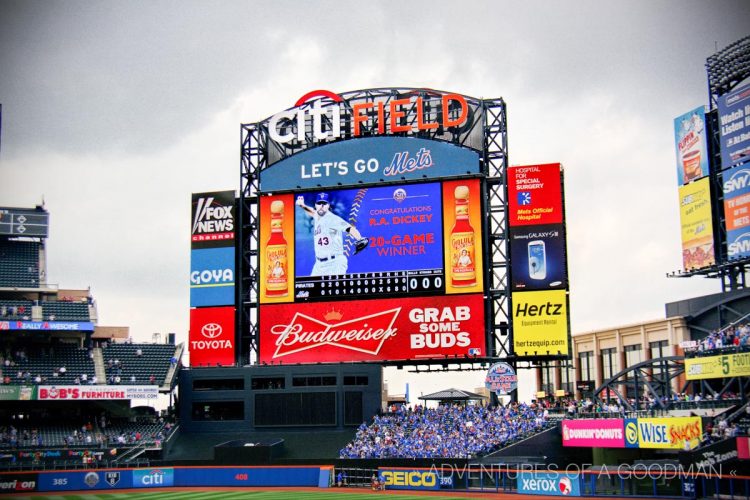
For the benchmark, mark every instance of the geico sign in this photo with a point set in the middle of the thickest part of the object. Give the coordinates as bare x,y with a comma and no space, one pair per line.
381,117
413,478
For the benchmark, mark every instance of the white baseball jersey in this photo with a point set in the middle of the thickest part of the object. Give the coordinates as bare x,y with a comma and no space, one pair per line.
328,235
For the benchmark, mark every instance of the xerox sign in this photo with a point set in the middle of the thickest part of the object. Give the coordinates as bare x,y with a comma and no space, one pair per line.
373,330
212,336
549,483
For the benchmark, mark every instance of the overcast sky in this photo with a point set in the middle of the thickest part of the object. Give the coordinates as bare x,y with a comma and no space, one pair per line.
113,113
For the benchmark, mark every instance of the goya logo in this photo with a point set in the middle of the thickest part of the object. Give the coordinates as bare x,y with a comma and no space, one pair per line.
631,433
153,478
411,479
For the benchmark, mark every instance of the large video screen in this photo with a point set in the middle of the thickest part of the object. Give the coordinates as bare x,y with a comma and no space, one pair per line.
421,239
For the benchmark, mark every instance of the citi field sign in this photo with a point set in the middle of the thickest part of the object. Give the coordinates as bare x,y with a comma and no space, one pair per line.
380,116
369,137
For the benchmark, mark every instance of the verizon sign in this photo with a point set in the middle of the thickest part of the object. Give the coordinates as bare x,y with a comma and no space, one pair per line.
211,336
373,330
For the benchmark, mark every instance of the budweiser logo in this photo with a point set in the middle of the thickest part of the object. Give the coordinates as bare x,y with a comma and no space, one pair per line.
364,334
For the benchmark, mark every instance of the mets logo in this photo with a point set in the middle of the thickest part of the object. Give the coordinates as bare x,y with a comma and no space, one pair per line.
631,433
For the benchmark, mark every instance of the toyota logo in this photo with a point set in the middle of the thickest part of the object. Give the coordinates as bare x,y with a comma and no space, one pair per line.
211,330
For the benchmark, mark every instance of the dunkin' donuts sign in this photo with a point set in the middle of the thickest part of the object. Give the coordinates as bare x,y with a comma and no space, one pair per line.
373,330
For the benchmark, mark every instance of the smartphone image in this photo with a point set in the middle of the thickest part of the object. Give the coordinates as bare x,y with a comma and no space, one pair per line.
537,260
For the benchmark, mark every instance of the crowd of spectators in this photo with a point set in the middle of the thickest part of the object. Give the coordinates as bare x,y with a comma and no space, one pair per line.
455,431
732,338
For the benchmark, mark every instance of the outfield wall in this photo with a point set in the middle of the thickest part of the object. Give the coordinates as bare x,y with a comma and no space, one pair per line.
165,477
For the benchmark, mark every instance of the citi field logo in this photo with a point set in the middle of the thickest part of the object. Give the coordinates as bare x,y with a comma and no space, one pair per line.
365,334
376,117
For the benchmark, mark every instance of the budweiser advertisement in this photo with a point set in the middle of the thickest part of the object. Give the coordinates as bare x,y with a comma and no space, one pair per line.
212,336
373,330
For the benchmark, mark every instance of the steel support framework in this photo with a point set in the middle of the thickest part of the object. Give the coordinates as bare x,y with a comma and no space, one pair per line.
255,154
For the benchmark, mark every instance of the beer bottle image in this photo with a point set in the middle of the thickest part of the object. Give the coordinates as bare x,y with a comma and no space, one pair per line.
277,280
462,249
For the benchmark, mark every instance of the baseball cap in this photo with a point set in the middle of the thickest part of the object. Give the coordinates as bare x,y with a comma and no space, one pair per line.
322,198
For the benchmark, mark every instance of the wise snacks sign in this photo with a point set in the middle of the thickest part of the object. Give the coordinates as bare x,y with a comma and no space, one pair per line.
663,433
373,330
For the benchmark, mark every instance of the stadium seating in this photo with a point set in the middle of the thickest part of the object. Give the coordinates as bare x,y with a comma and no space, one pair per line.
45,362
65,311
124,361
20,263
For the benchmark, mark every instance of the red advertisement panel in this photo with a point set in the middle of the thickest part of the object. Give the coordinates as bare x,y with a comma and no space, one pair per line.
373,330
535,195
212,336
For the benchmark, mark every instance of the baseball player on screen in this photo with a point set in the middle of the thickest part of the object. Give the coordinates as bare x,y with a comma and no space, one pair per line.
329,237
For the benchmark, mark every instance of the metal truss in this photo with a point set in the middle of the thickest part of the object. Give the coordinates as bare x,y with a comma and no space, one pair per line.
487,135
656,378
253,160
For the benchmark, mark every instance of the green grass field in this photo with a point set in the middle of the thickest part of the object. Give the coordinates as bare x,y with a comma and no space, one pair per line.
232,495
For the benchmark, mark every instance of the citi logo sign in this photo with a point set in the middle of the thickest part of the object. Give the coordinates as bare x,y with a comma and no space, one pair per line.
377,117
151,478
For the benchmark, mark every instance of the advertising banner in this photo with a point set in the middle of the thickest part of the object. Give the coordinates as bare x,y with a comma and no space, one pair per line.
17,393
696,225
463,236
82,481
540,323
410,479
663,433
153,478
534,195
725,365
18,483
594,433
54,326
373,330
212,336
538,258
212,277
691,145
369,161
734,123
501,379
549,483
98,392
736,186
213,223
